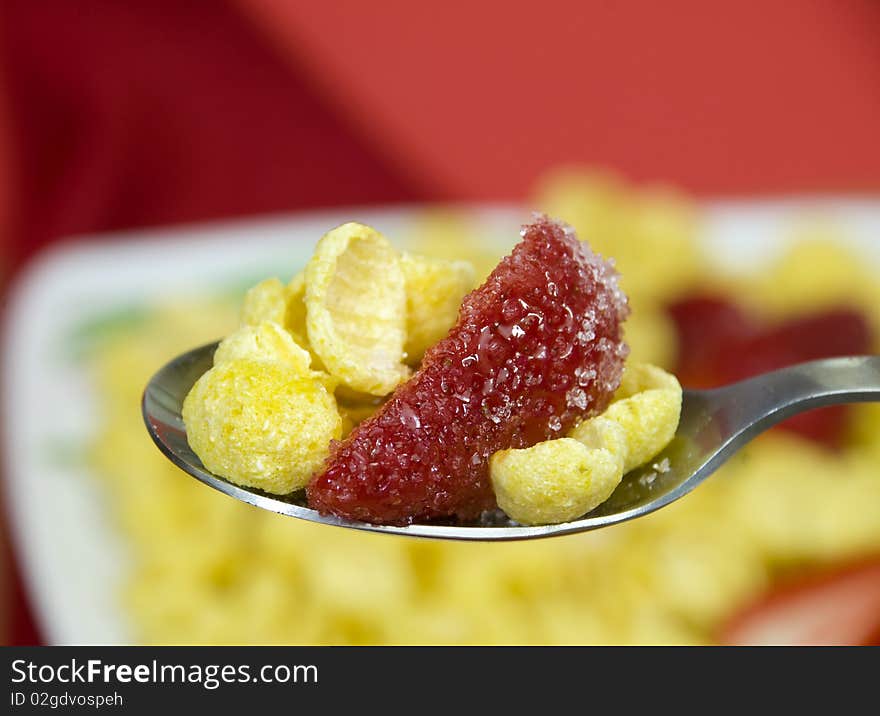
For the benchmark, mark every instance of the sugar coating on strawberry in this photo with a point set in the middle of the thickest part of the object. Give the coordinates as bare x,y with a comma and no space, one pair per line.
536,348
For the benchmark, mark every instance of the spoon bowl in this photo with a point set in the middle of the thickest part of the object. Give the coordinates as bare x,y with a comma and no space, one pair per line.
714,425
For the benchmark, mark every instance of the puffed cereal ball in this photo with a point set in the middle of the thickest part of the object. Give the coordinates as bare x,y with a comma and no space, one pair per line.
648,407
549,482
655,222
434,290
261,424
295,316
355,300
267,301
265,341
554,481
603,432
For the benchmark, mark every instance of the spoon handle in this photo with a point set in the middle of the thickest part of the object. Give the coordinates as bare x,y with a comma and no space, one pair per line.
756,404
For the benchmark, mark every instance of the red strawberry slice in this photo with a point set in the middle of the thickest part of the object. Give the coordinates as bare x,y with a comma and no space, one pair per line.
836,608
826,334
536,348
830,333
719,343
708,327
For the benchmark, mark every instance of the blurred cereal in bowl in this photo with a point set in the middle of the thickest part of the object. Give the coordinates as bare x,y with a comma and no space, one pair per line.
203,568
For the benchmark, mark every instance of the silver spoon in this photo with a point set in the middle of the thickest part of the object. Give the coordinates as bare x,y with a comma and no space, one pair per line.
714,425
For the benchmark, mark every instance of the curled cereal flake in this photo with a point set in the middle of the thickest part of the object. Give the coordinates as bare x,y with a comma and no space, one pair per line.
295,314
270,342
267,301
647,406
547,483
355,302
817,271
454,235
295,317
265,341
434,290
553,481
630,225
261,423
602,432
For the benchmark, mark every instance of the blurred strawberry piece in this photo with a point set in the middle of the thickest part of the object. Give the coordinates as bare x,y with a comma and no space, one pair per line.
834,332
709,328
836,608
719,343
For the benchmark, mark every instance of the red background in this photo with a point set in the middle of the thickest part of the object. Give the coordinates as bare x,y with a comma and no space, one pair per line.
124,114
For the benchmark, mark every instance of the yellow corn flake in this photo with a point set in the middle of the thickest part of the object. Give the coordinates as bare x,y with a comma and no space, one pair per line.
295,314
355,299
594,202
451,234
264,341
261,424
603,432
645,411
797,500
267,301
270,300
812,274
270,342
434,290
295,318
656,222
553,481
559,480
647,406
818,271
639,377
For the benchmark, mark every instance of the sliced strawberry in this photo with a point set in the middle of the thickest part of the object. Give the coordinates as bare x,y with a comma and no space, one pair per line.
831,333
826,334
719,343
841,607
536,348
709,328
